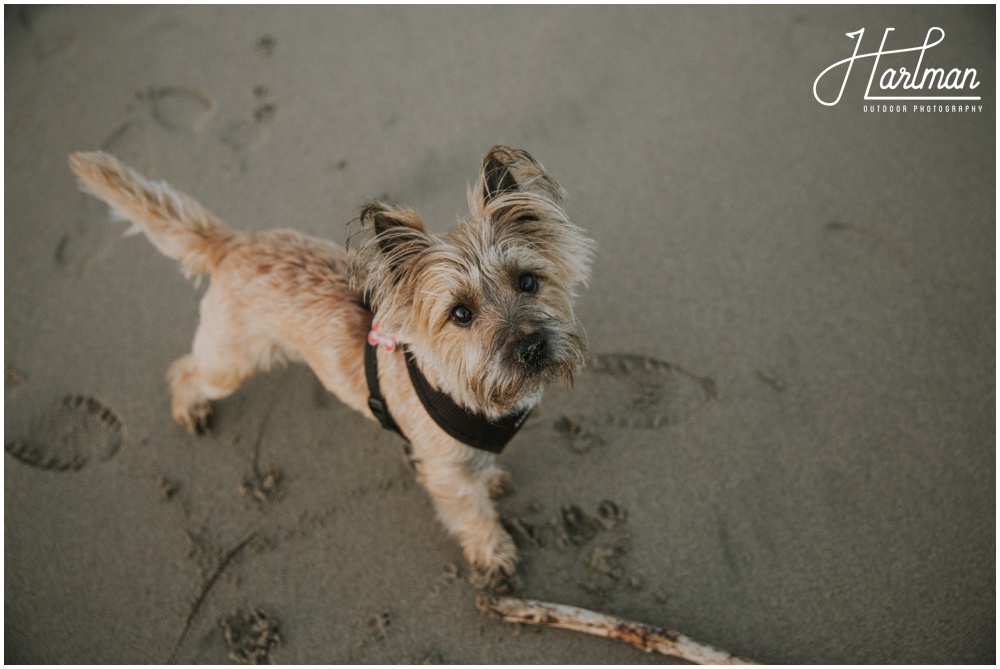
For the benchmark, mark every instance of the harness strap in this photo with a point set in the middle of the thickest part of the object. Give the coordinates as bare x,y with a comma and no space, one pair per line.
472,429
375,400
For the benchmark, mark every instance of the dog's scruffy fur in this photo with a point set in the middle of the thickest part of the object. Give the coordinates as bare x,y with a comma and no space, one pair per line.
486,309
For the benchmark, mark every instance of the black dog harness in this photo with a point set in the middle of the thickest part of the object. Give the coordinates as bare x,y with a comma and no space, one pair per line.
472,429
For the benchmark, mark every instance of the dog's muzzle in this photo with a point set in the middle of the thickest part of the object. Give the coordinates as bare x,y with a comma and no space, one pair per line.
532,351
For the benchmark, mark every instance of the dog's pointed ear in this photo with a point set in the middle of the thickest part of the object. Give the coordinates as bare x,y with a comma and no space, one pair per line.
509,171
497,177
398,232
380,264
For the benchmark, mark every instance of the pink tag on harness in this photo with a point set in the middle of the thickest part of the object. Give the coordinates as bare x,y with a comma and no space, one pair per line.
375,338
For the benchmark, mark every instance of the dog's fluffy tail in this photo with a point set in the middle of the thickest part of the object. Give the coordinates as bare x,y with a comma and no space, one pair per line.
176,224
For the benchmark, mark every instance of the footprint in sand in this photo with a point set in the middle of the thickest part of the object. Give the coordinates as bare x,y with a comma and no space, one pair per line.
590,549
93,234
250,636
622,390
372,631
265,46
77,431
179,108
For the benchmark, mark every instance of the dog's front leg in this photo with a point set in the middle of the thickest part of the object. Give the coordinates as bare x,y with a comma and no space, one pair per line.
460,481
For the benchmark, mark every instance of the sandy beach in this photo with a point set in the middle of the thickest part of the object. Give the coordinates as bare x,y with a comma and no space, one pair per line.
784,445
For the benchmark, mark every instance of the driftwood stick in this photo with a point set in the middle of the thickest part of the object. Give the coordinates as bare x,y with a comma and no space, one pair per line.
640,635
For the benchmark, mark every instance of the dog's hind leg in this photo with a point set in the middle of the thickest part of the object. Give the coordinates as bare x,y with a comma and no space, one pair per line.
189,404
225,353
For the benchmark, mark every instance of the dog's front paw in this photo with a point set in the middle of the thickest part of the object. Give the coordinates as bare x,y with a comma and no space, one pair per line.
196,419
500,484
493,562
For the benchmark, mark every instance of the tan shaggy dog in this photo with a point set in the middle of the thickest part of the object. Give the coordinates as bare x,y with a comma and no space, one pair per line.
485,311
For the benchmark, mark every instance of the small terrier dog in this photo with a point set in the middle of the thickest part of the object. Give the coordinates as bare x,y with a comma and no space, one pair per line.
484,311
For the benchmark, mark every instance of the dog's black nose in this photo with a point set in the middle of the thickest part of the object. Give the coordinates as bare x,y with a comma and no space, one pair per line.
531,350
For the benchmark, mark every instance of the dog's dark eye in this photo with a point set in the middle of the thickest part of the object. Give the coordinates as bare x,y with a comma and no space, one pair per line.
461,315
528,283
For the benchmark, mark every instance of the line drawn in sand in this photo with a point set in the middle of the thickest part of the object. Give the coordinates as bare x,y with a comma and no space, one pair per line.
79,430
206,587
887,243
262,486
45,41
179,108
248,133
12,380
870,262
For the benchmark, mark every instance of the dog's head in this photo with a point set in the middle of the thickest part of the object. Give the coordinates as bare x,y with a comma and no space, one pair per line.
487,308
